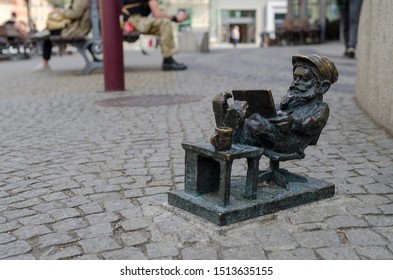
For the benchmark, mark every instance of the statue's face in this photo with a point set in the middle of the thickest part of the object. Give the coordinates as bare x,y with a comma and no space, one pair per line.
303,81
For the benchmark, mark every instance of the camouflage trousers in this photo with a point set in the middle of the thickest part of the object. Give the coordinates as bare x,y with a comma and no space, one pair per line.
156,26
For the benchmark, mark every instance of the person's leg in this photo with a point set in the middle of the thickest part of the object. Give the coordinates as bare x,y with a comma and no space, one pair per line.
345,23
47,48
163,28
354,14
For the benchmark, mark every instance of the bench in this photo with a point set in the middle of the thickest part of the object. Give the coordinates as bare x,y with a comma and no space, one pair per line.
90,48
13,43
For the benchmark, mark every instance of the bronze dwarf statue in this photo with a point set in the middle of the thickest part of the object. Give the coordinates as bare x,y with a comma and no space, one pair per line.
299,118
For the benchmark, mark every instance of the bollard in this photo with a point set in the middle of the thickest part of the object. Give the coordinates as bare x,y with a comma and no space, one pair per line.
112,41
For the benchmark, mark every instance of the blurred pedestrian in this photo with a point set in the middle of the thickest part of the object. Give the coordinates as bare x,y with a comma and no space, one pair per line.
76,23
235,35
12,20
136,12
350,14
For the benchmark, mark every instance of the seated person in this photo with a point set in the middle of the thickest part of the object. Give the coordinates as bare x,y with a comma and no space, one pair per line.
80,25
301,115
137,13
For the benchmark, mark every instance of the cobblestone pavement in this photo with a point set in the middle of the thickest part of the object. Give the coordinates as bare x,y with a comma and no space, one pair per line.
83,181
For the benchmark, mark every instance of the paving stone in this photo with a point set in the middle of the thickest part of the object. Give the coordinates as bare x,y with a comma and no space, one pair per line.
378,188
75,201
27,232
374,199
23,257
98,244
379,220
133,238
6,227
386,232
362,209
191,236
364,237
161,250
157,199
91,208
6,237
55,239
137,223
125,254
100,218
345,222
170,224
117,205
374,253
14,214
317,239
104,229
275,237
196,253
64,213
69,224
337,253
386,209
15,248
38,219
297,254
311,215
56,253
133,193
45,207
249,252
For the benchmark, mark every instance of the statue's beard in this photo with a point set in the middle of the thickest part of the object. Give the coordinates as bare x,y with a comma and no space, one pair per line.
296,98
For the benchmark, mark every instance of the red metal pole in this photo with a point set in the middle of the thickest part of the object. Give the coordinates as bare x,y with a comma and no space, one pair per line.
112,41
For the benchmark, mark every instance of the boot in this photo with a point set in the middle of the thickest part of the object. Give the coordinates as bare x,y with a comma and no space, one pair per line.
170,64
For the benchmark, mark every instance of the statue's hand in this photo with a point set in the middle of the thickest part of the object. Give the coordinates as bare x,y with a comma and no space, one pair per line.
283,121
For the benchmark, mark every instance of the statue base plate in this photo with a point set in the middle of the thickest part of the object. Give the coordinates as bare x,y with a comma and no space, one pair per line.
270,198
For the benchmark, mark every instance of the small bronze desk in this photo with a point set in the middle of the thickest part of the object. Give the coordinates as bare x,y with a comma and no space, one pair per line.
208,170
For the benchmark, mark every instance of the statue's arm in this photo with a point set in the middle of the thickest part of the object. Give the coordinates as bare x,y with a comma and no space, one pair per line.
312,123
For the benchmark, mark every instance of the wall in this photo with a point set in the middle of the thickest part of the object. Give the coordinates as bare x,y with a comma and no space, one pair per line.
374,84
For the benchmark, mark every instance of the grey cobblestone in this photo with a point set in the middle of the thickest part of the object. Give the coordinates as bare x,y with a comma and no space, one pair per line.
133,238
104,229
56,253
161,250
337,253
91,208
317,239
6,237
364,237
249,252
125,254
374,253
69,224
98,244
27,232
54,239
83,181
15,248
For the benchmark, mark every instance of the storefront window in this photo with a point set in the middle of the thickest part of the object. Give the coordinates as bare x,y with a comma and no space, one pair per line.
245,19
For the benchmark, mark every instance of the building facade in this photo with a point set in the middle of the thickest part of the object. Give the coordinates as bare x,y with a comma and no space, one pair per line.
219,16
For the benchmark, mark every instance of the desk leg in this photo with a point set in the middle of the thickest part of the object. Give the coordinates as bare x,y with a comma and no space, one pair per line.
191,171
225,182
252,178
